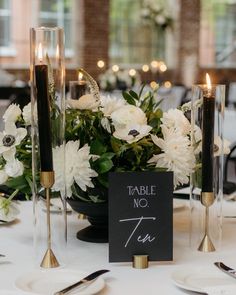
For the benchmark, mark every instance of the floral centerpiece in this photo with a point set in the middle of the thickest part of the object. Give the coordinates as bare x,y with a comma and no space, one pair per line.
112,134
111,80
103,134
154,12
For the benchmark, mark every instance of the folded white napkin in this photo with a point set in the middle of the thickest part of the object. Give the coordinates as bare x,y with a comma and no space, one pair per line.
221,290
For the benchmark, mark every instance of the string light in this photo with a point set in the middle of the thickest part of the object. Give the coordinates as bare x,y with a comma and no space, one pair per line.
154,64
115,68
101,64
167,84
132,72
145,68
154,85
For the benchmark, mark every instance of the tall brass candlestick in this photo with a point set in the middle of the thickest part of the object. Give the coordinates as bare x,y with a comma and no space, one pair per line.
207,195
45,147
47,181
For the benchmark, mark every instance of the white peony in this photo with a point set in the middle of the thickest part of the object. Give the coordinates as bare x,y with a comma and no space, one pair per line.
132,133
14,168
177,155
77,167
85,102
11,137
128,115
110,104
175,118
12,113
27,114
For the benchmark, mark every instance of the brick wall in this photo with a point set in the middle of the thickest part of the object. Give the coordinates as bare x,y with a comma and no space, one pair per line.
94,37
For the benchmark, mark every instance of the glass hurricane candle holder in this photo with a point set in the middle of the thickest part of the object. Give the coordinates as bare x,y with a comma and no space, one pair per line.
48,161
206,183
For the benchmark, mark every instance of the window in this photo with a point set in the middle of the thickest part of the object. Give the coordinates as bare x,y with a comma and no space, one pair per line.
5,23
131,40
57,13
218,33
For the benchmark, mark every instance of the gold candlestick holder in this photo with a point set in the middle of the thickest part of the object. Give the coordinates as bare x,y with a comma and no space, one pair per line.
206,245
47,181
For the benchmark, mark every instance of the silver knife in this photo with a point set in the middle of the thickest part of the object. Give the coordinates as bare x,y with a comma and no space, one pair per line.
229,271
89,279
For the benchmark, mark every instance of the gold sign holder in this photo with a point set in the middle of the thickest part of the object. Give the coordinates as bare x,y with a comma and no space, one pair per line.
140,261
207,199
47,181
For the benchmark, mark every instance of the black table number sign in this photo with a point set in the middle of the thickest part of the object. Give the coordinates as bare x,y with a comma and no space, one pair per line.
140,215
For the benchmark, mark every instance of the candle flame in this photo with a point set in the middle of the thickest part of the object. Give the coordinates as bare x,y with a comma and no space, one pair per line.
80,76
208,80
57,52
40,52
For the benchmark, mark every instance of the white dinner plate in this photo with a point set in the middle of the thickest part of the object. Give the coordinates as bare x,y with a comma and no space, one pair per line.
197,279
47,282
12,292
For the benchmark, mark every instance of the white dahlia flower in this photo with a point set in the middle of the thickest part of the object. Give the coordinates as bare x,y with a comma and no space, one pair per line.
175,118
177,155
77,167
12,113
110,104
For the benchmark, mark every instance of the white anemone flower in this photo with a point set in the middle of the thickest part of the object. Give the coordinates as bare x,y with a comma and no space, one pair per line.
11,137
12,113
175,118
177,155
77,168
85,102
110,104
127,115
132,133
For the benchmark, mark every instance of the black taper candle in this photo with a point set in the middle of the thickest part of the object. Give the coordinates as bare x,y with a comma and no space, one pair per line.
77,89
44,126
208,142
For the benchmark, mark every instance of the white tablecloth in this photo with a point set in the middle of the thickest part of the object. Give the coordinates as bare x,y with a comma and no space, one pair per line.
16,243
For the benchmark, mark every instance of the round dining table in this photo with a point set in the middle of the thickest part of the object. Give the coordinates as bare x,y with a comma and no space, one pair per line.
16,243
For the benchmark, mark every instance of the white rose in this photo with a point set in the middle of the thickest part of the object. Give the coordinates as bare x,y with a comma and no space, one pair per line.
128,115
14,168
27,114
85,102
12,113
3,177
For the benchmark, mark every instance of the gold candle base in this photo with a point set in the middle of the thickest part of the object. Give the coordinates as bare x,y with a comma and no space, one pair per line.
140,261
49,260
47,181
206,245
